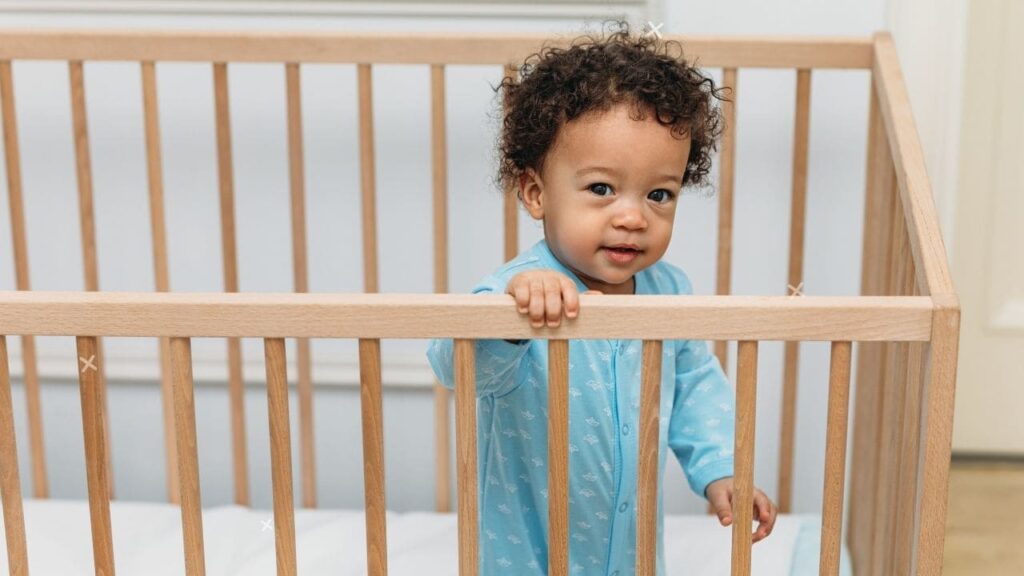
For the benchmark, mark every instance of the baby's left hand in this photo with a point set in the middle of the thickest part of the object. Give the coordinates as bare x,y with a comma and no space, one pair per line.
719,494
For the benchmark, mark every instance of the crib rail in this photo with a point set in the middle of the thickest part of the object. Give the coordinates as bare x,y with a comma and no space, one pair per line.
906,322
371,317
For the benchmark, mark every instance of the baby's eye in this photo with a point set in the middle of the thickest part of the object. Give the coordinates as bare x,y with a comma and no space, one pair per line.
600,188
660,195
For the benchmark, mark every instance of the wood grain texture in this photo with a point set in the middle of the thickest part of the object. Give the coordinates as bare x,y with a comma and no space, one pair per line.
439,172
368,179
94,429
329,315
371,404
280,456
10,482
558,457
835,459
466,457
726,201
188,449
405,47
743,482
19,244
647,463
226,196
797,225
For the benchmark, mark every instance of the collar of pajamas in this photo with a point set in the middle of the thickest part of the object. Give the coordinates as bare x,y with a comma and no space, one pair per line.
697,423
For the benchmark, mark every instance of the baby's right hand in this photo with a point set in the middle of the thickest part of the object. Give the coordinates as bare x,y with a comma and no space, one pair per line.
543,294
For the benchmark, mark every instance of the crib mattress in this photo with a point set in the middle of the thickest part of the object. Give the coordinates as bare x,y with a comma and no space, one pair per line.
240,541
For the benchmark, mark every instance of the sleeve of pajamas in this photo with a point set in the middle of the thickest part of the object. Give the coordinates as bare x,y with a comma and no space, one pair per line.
497,361
701,429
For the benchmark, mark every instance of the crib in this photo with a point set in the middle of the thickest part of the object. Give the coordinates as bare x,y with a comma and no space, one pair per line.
905,321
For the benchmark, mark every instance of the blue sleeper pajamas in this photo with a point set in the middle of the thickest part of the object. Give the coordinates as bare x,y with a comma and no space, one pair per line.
697,423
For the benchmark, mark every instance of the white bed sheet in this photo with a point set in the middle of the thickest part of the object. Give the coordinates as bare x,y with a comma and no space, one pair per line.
240,541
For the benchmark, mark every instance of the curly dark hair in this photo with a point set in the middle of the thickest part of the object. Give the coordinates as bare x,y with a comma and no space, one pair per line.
595,73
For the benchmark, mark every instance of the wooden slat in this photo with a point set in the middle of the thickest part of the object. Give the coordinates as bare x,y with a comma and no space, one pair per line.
226,187
371,402
188,471
911,174
879,197
280,456
439,164
300,269
743,486
10,481
466,457
558,457
510,204
405,47
647,464
368,179
937,435
19,243
835,458
87,221
726,193
891,398
154,171
797,224
96,456
327,315
910,423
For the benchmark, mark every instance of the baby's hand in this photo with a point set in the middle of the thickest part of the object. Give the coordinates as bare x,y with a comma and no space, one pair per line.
541,293
720,493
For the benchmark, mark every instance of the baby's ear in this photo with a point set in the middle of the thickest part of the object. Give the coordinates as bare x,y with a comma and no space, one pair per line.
530,191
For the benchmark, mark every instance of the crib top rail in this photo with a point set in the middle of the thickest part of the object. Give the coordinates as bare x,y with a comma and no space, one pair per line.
403,47
300,315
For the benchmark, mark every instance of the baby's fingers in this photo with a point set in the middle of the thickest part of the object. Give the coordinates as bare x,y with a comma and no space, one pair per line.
521,292
571,298
536,307
553,301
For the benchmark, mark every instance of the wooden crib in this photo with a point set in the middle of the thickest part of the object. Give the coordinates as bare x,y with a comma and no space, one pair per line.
906,321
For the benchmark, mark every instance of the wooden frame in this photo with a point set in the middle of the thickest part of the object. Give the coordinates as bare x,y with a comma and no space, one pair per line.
905,323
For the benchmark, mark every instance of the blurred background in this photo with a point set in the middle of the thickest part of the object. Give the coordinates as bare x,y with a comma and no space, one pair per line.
962,63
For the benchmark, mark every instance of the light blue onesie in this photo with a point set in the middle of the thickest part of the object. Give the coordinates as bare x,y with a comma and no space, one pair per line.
697,422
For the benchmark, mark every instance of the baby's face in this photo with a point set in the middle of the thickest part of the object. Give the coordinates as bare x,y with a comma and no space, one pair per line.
609,183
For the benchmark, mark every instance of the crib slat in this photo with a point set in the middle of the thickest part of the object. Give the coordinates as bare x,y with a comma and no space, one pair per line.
12,157
298,211
797,223
10,481
367,170
188,471
86,214
867,403
558,457
439,159
511,204
465,448
892,397
726,187
647,474
280,455
154,170
226,186
373,457
835,458
94,421
743,492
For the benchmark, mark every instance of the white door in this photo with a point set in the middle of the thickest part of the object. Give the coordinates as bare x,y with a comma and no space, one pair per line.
988,244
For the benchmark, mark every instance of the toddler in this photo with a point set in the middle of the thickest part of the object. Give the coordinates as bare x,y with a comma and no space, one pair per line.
598,139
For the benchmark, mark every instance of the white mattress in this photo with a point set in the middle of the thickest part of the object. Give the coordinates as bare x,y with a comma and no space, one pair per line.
240,541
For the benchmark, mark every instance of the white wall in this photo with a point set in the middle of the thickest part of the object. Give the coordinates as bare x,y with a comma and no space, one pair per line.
765,108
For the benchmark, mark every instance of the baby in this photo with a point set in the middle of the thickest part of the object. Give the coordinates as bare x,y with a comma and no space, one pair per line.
598,139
